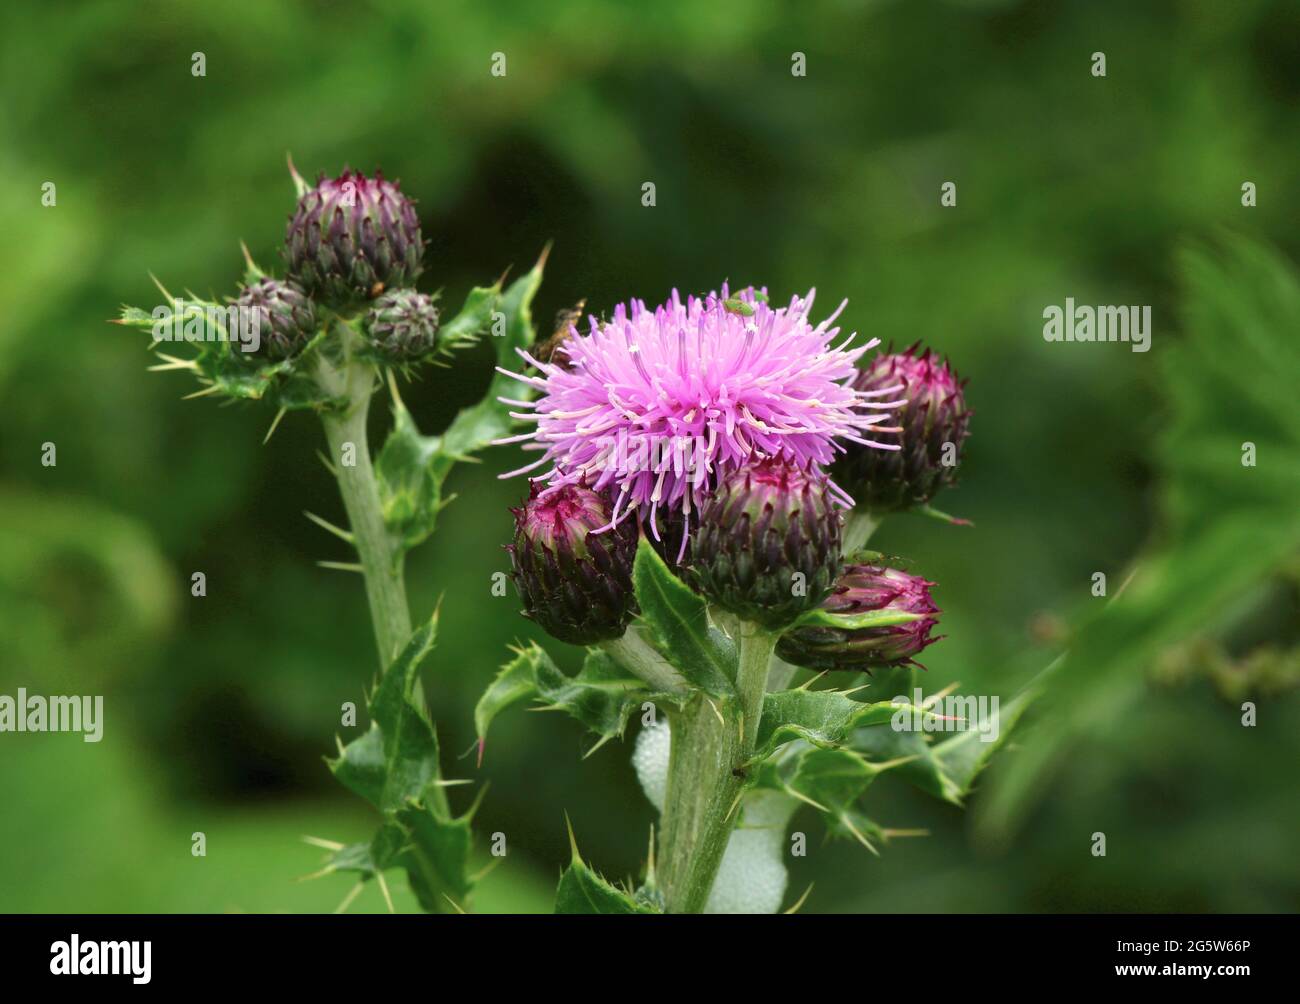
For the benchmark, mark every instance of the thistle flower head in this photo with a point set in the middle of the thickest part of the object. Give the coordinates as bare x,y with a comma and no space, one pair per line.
661,405
352,237
768,544
929,427
402,325
575,582
862,588
285,316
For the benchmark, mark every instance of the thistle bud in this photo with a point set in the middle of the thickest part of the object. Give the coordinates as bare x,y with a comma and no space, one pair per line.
934,422
861,589
402,325
352,237
768,543
576,583
285,316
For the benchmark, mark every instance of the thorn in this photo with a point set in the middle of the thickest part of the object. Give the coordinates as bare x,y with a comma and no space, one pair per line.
347,900
478,801
170,299
905,833
890,764
482,742
454,782
275,424
328,845
734,806
599,743
858,834
205,392
327,870
486,870
716,712
383,887
934,513
804,798
800,902
173,363
324,524
454,905
326,461
248,259
546,253
808,683
573,841
298,183
650,859
392,389
939,695
342,566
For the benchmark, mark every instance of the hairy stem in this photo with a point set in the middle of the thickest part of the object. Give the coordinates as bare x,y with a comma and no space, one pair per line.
712,739
859,525
381,561
634,653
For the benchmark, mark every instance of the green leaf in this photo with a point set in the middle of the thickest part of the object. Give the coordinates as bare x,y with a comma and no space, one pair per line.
944,765
817,617
823,718
394,766
222,368
677,625
474,318
583,891
412,467
436,856
410,491
396,759
602,696
477,426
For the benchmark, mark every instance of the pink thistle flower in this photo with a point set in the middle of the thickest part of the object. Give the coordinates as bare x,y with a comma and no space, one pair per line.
658,406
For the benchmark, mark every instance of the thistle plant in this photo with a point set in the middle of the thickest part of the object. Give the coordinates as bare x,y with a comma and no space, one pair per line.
343,321
694,525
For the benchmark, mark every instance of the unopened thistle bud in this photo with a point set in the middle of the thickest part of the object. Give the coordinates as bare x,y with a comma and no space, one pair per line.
352,237
934,422
402,325
768,543
285,316
575,582
862,589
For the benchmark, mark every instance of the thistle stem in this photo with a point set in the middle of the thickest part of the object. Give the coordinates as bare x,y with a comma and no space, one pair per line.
636,655
712,739
381,562
858,528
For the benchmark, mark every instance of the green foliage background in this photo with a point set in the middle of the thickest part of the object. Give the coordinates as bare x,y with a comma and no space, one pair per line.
219,710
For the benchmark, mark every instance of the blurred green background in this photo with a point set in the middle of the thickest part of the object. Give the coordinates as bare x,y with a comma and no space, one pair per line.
1083,458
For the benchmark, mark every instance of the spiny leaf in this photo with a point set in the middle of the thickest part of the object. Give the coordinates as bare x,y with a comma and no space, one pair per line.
946,768
823,718
677,624
602,696
476,427
409,489
394,766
